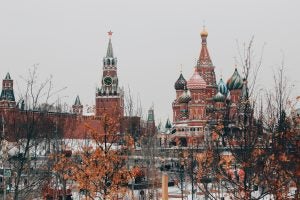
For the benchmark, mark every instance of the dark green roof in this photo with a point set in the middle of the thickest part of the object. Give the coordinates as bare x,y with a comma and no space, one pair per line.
168,124
7,77
235,82
77,101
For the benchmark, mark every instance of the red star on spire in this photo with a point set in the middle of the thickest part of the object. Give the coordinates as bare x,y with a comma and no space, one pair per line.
110,33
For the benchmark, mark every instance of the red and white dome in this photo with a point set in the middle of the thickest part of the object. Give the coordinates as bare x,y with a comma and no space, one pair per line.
196,81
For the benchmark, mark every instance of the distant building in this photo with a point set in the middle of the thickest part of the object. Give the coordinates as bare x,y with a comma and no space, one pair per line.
201,102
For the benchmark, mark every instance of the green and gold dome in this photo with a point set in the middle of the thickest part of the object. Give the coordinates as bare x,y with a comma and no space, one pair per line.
235,82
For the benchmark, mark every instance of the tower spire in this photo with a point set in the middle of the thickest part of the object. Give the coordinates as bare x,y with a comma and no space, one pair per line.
204,58
77,107
7,77
109,52
77,101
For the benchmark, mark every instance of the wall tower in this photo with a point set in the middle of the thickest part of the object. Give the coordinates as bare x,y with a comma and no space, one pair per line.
109,97
7,98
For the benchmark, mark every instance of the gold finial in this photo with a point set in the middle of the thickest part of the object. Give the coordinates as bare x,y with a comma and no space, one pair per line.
204,32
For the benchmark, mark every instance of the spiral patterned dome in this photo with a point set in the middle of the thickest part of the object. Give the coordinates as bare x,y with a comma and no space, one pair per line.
185,97
196,81
222,87
219,97
180,84
235,82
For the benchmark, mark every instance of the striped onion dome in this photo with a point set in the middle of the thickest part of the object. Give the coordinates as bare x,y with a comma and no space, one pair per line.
222,87
180,84
235,82
185,97
219,97
196,81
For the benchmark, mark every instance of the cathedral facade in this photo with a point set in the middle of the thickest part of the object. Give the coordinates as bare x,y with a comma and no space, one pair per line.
200,101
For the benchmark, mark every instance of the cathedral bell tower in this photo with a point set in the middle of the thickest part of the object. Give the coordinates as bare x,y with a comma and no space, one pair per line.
206,68
109,97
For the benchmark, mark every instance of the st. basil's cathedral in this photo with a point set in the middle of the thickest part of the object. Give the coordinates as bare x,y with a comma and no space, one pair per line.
202,102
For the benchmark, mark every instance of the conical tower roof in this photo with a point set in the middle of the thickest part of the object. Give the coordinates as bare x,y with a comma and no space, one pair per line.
204,58
7,77
168,124
196,81
110,53
77,101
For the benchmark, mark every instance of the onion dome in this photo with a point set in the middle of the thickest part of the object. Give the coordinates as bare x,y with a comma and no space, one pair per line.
219,97
235,82
196,81
204,32
222,87
185,97
180,84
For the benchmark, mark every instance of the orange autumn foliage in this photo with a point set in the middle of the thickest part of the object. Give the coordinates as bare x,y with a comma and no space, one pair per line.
101,170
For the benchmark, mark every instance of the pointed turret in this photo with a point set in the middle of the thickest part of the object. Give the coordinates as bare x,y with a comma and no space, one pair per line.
109,61
7,77
204,58
77,107
151,122
109,53
168,124
205,67
77,101
7,97
150,115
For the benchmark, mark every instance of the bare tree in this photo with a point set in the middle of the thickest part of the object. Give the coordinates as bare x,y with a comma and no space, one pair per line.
30,126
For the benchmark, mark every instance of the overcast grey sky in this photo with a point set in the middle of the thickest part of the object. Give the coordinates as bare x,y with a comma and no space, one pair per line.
151,40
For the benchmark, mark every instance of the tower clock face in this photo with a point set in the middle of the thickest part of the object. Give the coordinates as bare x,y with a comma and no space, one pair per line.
107,81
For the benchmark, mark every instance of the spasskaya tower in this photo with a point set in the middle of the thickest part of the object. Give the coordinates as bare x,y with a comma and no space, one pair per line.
109,96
